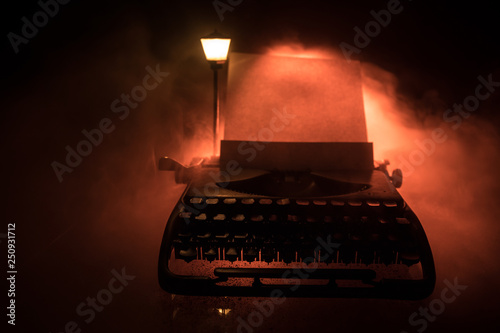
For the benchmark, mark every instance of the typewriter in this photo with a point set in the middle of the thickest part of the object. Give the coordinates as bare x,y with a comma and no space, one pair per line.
309,219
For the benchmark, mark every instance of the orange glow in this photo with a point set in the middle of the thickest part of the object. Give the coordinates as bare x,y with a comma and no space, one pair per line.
453,187
387,123
298,51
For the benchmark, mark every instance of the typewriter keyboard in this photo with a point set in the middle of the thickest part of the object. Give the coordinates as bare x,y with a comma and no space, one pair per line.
270,230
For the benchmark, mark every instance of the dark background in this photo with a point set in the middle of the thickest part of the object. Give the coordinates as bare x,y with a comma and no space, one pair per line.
110,212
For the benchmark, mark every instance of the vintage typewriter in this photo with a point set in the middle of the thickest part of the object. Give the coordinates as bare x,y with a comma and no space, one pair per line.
310,219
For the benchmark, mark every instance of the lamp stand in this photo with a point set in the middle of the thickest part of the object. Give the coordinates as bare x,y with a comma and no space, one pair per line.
215,67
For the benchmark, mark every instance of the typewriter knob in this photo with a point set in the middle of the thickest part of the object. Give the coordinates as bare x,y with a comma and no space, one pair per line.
397,178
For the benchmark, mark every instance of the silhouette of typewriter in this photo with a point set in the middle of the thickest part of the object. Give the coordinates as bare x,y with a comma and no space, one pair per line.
304,211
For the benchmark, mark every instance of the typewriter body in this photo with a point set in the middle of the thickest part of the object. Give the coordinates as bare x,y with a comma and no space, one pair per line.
299,219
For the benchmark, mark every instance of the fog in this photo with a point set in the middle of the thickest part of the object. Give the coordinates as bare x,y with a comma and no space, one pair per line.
453,188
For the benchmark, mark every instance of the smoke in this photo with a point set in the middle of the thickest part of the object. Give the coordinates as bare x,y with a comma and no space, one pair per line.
453,185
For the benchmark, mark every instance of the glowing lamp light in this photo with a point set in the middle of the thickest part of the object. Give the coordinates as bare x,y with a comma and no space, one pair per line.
216,47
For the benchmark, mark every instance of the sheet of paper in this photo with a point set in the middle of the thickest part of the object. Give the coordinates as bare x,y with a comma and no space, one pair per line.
280,98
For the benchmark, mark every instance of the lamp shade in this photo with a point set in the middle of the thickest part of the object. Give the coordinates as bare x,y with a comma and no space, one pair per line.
216,47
